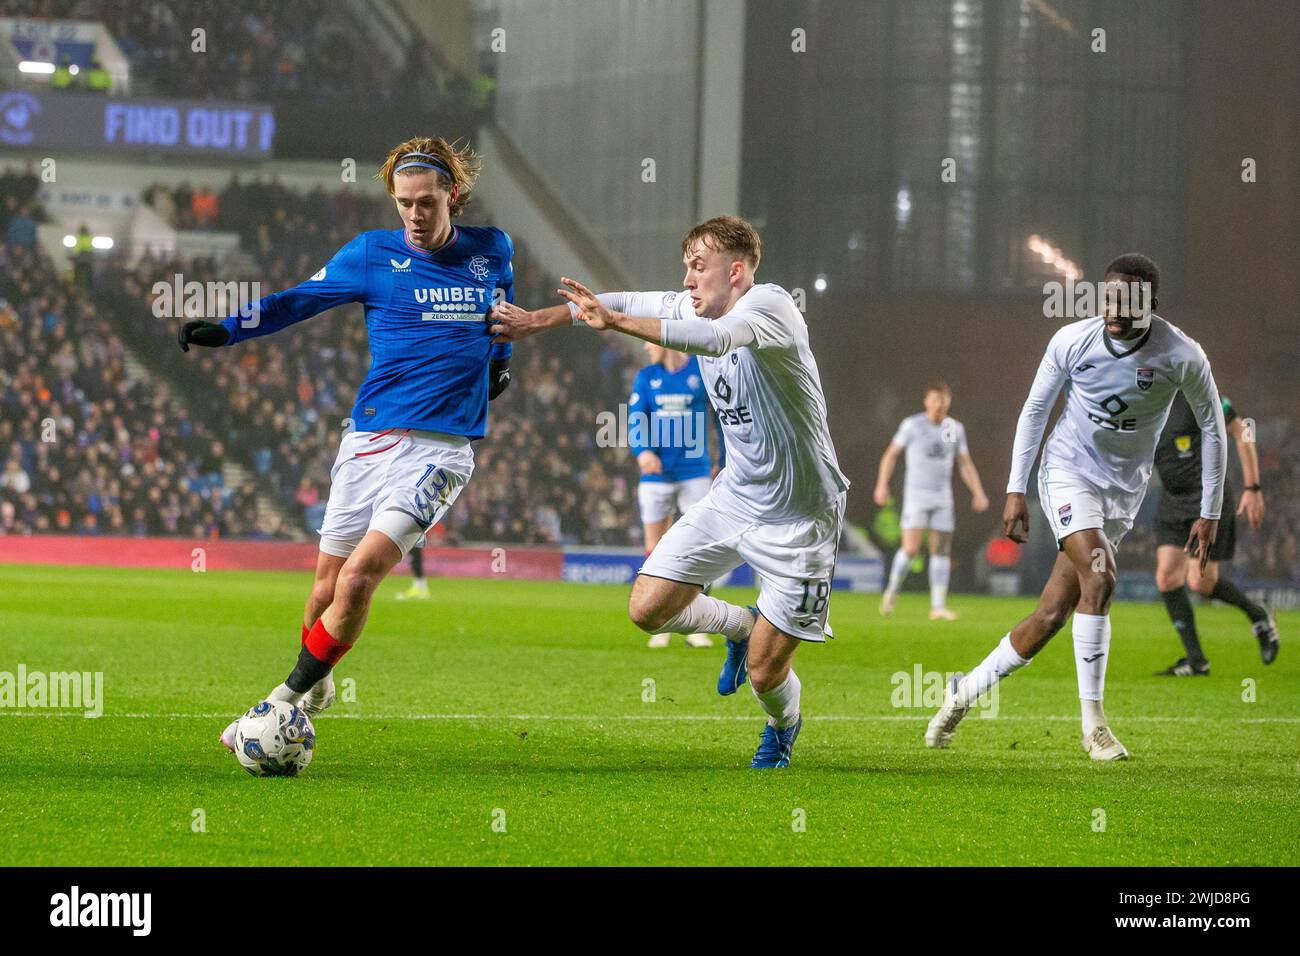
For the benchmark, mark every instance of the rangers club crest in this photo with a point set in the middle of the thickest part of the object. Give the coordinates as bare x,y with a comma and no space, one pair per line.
1063,514
478,267
1145,376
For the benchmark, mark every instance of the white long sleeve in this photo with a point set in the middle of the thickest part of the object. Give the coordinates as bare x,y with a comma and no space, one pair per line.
1033,416
1203,395
764,317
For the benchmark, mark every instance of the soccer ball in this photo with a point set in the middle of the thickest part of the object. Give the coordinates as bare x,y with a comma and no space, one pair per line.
275,739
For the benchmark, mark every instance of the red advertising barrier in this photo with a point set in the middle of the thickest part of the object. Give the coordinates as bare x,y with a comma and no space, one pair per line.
533,564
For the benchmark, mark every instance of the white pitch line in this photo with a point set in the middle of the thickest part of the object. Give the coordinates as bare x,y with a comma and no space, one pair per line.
590,718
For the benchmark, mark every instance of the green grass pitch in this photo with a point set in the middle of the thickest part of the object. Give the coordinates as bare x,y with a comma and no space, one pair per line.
511,723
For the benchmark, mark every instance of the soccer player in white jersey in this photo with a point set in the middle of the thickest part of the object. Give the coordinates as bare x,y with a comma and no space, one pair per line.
778,504
1120,373
933,442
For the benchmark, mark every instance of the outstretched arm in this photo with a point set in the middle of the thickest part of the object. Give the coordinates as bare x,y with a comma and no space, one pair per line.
758,323
342,280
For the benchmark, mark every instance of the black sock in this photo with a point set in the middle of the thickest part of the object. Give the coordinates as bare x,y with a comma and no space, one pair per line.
417,563
307,672
1180,612
1229,593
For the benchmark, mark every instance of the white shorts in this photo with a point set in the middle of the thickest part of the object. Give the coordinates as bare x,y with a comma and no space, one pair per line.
1072,504
660,499
794,561
931,510
399,481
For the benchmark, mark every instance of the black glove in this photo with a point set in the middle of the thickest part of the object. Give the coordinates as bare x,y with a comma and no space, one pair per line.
208,334
498,377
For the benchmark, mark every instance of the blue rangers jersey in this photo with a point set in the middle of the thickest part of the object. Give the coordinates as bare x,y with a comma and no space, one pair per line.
426,315
675,408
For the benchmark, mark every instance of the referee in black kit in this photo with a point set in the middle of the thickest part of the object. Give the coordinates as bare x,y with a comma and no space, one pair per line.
1178,461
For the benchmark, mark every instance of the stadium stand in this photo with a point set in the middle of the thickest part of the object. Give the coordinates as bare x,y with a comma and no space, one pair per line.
283,400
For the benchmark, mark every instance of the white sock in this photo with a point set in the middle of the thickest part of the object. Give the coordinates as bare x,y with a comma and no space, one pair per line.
1091,652
940,569
710,615
1001,662
285,692
781,702
420,584
898,571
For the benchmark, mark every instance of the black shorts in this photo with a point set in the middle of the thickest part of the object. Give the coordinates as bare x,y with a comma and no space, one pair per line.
1175,516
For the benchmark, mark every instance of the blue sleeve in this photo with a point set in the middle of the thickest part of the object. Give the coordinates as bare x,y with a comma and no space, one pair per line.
342,280
503,350
639,402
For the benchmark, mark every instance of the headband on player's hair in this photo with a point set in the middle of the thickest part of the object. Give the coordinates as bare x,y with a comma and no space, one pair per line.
434,163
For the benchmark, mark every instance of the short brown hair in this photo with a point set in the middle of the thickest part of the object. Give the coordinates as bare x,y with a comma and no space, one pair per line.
462,162
728,234
937,385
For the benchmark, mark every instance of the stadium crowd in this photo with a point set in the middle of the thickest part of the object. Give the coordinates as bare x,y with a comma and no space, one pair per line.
309,49
85,446
284,400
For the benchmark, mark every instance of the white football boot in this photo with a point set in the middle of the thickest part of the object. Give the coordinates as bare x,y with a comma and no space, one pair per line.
228,736
320,697
1101,744
658,640
942,614
943,725
699,640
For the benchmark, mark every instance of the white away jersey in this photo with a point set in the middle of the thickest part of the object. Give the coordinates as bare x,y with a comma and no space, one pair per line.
763,382
1117,398
931,450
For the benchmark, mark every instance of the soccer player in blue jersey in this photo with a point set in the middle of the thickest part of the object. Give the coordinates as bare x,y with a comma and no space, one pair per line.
667,415
427,289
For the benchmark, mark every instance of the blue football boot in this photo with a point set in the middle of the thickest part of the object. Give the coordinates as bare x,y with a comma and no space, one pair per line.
775,746
735,669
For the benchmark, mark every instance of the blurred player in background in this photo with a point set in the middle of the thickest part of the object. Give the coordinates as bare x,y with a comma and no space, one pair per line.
1178,462
672,450
779,503
1120,373
427,289
419,589
932,441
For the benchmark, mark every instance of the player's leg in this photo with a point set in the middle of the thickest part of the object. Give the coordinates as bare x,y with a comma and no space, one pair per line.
414,490
940,570
338,626
654,498
658,604
1016,649
1093,556
795,564
688,493
1171,581
903,557
777,689
322,589
419,589
669,591
328,565
1213,583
